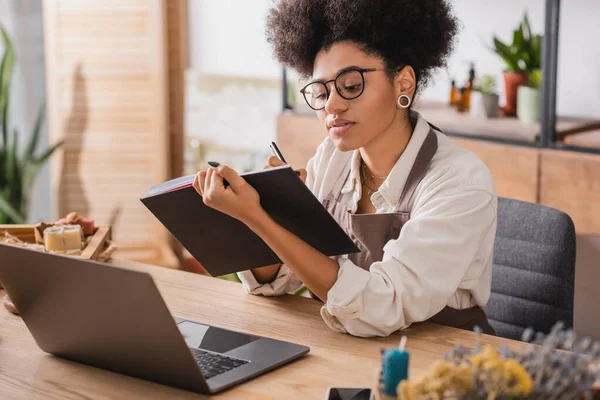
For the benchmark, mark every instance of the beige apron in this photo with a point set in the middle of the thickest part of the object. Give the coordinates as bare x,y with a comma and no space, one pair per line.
371,232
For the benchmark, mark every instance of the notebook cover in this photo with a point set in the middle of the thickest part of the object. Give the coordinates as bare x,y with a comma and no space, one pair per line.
223,244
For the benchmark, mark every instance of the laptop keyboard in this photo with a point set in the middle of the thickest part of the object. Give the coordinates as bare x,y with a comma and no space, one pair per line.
213,364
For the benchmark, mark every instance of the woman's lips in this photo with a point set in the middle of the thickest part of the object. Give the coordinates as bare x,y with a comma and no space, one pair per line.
340,129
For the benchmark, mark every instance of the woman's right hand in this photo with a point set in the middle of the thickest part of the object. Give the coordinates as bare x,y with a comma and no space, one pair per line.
276,162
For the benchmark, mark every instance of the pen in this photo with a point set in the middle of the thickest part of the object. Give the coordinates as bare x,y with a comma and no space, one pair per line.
277,153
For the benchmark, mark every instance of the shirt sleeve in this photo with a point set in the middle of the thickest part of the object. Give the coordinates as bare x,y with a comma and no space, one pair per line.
285,281
437,252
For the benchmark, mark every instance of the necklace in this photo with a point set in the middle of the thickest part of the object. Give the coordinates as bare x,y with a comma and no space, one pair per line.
369,172
370,190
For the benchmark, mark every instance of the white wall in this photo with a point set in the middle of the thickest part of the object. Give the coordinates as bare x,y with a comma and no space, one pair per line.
237,122
23,21
227,36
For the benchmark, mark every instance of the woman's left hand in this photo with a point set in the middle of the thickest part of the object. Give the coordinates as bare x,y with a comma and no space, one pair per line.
239,200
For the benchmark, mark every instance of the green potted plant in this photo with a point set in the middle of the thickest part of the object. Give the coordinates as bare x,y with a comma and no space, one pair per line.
528,98
485,98
522,57
18,169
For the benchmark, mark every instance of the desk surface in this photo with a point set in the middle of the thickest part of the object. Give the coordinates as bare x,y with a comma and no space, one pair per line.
334,360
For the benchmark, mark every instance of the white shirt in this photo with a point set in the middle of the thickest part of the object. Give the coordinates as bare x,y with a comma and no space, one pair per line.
442,257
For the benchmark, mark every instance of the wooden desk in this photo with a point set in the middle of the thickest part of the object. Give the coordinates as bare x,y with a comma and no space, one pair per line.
335,359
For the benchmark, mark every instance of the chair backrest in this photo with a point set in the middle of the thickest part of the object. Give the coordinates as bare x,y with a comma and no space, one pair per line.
533,275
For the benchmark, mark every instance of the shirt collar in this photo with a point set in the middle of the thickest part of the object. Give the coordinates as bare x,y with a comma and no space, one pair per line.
392,187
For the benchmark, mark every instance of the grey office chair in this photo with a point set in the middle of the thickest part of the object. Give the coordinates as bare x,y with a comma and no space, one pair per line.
533,275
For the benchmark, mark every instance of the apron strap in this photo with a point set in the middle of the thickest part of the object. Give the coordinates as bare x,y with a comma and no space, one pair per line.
419,169
336,191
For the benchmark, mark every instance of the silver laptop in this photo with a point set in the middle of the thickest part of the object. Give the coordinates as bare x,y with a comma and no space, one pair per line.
113,318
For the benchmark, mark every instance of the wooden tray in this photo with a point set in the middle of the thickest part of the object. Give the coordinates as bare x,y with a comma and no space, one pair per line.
96,245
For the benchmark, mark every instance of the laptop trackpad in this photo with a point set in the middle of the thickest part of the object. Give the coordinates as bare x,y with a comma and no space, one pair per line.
211,338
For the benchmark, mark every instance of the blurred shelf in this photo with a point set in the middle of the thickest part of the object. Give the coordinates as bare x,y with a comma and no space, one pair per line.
589,139
574,131
449,120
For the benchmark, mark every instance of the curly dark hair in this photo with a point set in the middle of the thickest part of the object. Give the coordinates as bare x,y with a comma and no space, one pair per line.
416,32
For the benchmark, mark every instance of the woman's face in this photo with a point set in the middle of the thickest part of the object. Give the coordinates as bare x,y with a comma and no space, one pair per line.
352,124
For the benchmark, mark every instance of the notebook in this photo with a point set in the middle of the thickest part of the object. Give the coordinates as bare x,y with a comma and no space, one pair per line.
224,245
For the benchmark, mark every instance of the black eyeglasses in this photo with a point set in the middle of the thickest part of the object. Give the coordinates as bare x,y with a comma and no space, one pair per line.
349,84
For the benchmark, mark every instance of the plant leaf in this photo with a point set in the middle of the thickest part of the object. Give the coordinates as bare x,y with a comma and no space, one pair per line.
15,160
301,291
517,44
30,172
501,48
2,184
536,51
35,135
9,162
511,60
499,42
10,211
526,28
526,57
31,169
230,277
4,112
42,159
535,78
6,70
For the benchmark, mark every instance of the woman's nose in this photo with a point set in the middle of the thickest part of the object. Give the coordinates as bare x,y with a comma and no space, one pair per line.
335,103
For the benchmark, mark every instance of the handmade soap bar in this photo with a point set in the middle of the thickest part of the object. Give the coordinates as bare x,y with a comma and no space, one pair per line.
63,238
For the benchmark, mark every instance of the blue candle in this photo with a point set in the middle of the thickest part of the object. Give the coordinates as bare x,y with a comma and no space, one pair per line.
395,368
